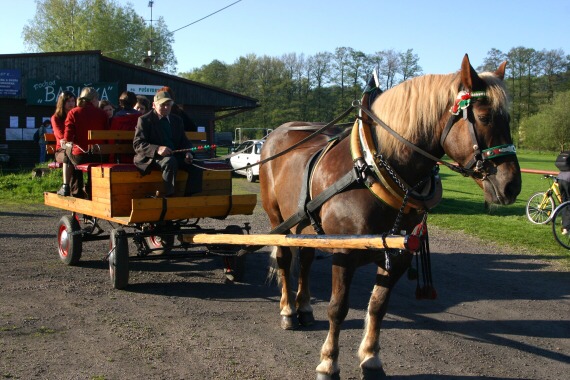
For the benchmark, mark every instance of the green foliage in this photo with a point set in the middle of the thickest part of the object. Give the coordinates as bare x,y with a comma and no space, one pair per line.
117,30
320,87
21,188
295,87
549,129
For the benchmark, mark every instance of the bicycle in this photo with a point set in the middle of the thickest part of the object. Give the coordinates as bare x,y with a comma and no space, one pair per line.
559,229
540,205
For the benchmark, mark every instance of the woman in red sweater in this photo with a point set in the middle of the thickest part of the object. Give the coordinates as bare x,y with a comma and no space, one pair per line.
86,116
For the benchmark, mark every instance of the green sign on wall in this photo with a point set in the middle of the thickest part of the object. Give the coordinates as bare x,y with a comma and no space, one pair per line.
45,92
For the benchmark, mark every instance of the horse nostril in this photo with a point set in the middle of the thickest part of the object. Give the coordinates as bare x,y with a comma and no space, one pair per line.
513,189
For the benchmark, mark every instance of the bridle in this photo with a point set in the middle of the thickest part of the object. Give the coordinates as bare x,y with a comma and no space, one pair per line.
477,165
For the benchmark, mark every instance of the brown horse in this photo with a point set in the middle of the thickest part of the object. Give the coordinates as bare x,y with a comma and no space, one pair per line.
418,110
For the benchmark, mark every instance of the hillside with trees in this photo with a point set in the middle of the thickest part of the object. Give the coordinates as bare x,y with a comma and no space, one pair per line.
320,87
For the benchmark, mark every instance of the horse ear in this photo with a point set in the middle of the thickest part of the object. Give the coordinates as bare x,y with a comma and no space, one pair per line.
469,78
500,73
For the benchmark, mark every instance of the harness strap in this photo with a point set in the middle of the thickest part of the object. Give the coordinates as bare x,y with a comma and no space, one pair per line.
307,210
301,214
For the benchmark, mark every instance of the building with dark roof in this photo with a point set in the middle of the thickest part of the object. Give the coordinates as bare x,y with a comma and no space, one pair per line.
30,84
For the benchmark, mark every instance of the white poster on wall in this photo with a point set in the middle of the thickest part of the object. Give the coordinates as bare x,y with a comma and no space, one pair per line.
30,122
28,134
14,122
14,134
143,89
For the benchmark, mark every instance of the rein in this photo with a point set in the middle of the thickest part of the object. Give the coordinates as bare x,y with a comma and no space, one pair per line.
314,134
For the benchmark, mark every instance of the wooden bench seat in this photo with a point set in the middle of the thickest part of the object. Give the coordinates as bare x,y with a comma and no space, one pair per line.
123,141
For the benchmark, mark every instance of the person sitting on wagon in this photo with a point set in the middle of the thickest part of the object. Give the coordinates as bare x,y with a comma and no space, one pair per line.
157,135
86,116
143,104
124,120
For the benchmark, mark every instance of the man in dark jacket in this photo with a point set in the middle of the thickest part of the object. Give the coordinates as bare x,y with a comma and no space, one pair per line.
157,135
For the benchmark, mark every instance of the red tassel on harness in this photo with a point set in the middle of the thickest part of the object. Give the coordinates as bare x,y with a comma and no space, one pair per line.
427,291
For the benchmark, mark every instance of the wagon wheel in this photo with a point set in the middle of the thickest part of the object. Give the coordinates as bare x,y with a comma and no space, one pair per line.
119,259
69,240
560,230
249,175
234,265
162,244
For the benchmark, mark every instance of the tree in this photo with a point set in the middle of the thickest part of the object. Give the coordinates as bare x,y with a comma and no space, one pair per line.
492,61
550,128
320,69
341,60
555,64
409,66
116,30
390,68
524,64
216,73
357,65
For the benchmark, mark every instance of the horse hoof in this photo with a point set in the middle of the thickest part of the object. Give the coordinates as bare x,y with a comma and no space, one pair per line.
289,322
324,376
306,318
372,373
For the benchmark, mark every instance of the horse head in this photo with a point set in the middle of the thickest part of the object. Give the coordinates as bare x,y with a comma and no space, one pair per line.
477,134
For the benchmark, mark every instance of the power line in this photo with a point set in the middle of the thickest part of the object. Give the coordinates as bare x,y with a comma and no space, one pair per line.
205,17
185,26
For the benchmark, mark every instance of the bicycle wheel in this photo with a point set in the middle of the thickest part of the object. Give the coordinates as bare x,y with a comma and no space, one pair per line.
561,223
539,208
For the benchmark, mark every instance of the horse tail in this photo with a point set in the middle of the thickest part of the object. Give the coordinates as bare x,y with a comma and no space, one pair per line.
273,272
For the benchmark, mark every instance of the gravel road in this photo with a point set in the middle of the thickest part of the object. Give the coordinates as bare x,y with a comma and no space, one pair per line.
499,314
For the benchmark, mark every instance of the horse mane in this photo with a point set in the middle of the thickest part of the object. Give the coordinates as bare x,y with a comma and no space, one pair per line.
416,109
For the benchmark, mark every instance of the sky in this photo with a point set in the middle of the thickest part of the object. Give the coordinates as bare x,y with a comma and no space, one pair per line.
440,32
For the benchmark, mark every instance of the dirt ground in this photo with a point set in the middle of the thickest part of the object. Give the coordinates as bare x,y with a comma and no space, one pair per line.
499,314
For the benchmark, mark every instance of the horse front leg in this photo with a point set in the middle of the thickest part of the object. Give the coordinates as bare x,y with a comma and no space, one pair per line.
369,351
303,300
342,273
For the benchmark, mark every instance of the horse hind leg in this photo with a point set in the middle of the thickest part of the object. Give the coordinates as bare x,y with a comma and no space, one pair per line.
280,268
303,300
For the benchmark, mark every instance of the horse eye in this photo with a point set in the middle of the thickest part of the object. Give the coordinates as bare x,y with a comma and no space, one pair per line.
485,119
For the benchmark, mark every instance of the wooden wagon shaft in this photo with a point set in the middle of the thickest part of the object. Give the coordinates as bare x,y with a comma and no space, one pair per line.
408,242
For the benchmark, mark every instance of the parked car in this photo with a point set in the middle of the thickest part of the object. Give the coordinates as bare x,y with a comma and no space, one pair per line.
247,153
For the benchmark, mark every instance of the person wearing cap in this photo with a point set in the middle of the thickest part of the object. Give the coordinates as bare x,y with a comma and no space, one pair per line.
157,134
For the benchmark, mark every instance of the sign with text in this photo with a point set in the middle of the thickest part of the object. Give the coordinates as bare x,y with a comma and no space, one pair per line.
9,82
45,92
143,89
